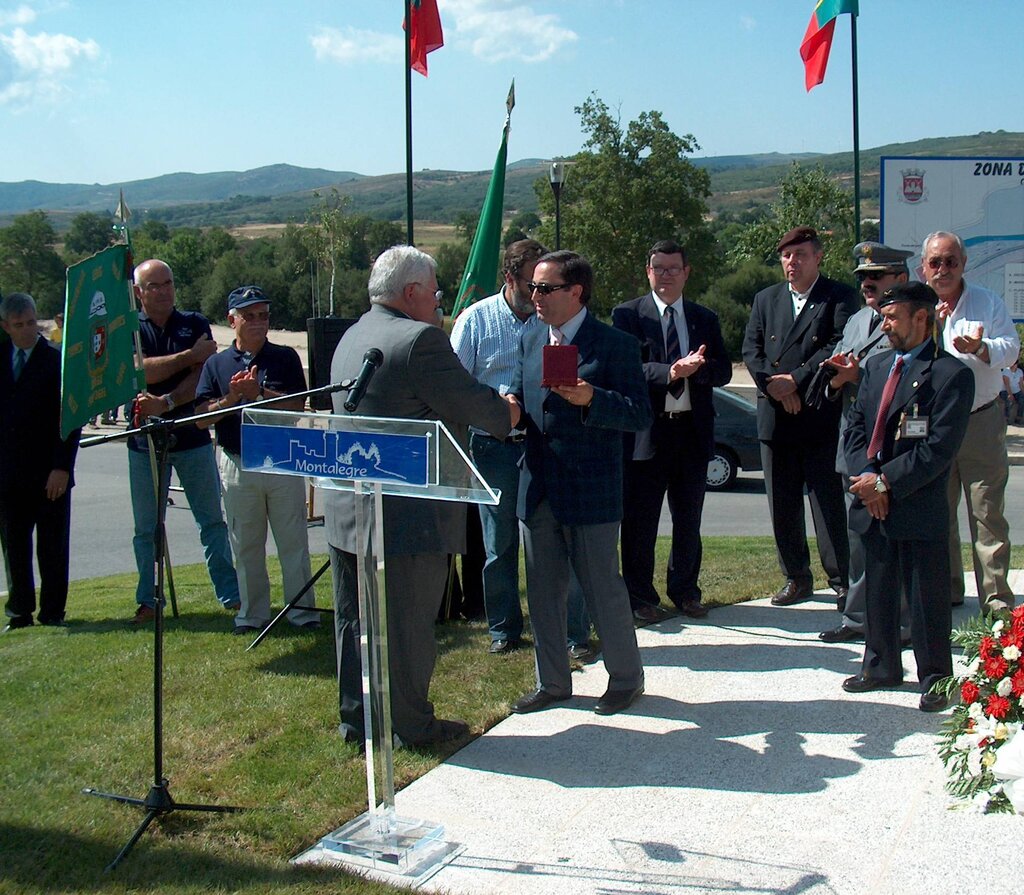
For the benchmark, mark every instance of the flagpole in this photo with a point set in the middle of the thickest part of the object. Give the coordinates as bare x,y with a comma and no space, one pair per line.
408,120
856,133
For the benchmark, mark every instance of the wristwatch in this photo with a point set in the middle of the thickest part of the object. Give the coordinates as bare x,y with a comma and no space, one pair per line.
880,485
169,401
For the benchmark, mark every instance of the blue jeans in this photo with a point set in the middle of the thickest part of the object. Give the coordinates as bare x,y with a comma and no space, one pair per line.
498,463
197,472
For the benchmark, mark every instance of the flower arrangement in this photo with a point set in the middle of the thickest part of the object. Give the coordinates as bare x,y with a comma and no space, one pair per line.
981,745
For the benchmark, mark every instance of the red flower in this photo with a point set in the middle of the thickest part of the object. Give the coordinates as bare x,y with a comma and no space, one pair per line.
997,706
970,692
1017,682
996,667
986,648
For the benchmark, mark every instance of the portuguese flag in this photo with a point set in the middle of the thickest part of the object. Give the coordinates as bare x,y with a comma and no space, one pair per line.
424,33
817,40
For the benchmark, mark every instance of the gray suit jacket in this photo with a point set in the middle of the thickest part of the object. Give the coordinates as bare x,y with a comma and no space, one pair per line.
421,379
856,336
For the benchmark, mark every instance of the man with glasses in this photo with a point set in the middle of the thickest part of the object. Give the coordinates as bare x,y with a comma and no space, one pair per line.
976,328
253,369
420,378
793,327
175,345
878,269
570,487
486,337
684,359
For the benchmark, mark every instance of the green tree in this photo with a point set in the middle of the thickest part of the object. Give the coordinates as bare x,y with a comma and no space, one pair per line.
89,233
731,295
808,197
628,188
521,226
28,262
329,234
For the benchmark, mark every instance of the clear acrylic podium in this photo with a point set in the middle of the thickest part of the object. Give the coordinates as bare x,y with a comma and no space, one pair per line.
373,457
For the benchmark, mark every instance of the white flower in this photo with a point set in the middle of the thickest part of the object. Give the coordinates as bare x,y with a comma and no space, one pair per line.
974,763
976,713
997,628
1011,653
1004,687
972,669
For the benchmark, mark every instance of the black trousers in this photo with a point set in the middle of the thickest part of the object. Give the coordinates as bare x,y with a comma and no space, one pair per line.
679,469
789,468
24,512
921,570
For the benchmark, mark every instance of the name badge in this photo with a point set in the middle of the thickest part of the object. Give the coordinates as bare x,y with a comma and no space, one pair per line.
914,425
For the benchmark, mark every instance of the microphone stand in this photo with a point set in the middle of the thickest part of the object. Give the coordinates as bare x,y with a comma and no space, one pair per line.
158,801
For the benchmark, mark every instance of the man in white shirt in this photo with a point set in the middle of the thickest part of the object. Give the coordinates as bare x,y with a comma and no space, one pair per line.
975,328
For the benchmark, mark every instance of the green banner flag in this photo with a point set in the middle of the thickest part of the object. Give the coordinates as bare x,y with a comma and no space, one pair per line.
481,275
98,362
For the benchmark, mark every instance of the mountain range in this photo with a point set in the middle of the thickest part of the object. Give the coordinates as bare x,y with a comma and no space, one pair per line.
281,193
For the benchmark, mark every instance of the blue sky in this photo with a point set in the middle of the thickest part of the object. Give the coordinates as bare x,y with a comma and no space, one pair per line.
103,91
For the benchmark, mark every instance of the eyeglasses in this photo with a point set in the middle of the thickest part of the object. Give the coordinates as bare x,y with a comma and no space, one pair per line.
666,271
547,288
873,275
438,293
253,316
951,261
156,287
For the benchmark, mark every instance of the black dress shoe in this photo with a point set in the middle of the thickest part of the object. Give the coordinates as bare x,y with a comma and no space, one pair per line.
841,594
842,634
503,646
53,623
444,732
693,609
861,684
536,701
581,652
242,630
647,613
933,702
615,701
19,621
793,592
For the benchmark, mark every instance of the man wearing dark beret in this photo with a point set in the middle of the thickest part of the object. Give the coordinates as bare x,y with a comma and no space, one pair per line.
793,327
904,431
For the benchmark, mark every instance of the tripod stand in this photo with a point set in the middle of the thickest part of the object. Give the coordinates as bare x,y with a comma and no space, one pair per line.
158,801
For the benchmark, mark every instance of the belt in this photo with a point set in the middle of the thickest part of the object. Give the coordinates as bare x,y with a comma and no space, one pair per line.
991,403
674,414
511,439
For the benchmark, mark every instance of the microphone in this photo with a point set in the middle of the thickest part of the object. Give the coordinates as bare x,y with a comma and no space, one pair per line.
371,361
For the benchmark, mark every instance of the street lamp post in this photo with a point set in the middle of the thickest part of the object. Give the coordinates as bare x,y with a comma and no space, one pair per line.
558,173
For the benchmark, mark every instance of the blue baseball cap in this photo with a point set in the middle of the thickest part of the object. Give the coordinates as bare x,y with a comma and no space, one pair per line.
244,296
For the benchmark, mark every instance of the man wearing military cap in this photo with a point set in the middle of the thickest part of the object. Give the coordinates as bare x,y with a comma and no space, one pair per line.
903,433
793,327
878,269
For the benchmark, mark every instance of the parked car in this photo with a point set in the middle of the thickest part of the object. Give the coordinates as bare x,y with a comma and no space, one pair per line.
736,444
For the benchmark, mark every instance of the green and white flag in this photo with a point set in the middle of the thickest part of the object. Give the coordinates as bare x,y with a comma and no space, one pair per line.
98,371
480,277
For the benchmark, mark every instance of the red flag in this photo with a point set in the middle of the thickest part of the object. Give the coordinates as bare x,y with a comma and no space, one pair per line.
817,42
425,35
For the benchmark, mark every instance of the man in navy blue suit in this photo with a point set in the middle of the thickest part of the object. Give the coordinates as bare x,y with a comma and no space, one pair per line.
684,358
36,467
570,489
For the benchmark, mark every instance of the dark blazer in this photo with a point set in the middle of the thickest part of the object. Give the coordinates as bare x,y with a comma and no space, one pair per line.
30,443
420,378
916,468
776,343
573,455
641,319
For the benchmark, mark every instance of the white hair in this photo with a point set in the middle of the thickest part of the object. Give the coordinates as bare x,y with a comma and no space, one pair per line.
396,268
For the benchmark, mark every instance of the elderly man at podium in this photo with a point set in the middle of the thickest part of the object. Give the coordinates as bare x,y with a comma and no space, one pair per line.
420,377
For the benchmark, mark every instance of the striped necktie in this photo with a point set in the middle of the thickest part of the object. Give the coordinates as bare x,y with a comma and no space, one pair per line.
672,350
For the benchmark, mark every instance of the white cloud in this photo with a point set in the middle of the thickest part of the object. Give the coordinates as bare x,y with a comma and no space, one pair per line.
36,66
355,45
23,15
505,29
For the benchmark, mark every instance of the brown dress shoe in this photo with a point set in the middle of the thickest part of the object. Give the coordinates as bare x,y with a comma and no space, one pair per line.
793,592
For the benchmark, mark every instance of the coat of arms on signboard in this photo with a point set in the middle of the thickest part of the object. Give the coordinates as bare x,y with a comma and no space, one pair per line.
913,186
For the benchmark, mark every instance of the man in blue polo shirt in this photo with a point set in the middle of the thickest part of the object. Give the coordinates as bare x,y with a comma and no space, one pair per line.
252,369
175,344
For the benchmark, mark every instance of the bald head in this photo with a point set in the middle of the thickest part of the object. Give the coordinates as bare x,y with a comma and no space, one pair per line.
154,288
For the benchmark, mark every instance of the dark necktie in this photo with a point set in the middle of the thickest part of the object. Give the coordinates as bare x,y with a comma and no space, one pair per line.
875,320
19,363
888,393
672,350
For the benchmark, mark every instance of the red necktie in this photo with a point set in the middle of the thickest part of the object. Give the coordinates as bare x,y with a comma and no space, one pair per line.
888,393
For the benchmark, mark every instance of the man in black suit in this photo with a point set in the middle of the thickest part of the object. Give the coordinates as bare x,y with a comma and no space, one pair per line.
36,467
570,487
793,327
684,358
903,434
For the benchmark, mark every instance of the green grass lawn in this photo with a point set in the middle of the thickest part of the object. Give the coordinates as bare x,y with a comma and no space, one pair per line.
254,729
